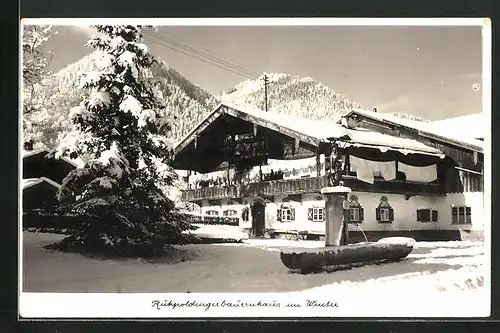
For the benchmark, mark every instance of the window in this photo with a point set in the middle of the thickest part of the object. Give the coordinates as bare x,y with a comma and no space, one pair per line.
229,212
212,213
316,214
434,216
286,214
384,215
245,214
461,215
354,214
355,211
427,215
384,212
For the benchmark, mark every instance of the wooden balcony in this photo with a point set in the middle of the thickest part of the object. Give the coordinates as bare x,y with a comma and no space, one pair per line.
289,186
393,186
218,192
268,188
309,185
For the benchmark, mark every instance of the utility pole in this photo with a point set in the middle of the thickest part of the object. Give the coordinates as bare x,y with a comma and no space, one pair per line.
266,83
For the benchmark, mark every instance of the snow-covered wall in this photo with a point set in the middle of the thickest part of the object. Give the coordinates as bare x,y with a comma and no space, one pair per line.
405,212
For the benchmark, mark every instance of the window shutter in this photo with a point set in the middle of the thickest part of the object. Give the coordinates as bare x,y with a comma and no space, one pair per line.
391,215
292,213
434,216
454,215
468,218
419,215
278,215
361,214
310,214
377,213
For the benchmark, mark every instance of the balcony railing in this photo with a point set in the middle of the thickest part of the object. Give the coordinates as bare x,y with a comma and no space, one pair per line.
308,185
288,186
268,188
217,192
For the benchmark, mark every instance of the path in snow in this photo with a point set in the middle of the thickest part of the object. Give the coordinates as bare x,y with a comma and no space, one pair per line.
254,266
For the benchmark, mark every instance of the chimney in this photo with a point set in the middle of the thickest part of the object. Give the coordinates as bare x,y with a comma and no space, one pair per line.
374,109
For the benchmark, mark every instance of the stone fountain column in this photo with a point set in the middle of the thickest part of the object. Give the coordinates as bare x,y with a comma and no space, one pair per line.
334,213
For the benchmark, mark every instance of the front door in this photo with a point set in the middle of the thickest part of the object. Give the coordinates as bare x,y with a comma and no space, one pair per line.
258,219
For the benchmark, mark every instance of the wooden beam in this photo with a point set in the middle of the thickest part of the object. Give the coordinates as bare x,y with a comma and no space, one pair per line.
328,160
318,164
254,129
221,109
468,171
296,146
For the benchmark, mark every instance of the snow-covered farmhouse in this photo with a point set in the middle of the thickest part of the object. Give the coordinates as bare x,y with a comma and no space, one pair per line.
42,177
264,171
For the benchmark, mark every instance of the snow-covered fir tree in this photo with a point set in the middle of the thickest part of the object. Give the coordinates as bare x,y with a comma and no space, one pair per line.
119,128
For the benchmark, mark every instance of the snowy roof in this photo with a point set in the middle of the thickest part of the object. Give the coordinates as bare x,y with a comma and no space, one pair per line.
321,130
381,141
473,126
77,162
446,134
315,131
30,182
28,153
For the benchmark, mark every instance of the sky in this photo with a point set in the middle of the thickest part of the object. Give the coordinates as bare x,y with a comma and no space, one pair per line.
427,71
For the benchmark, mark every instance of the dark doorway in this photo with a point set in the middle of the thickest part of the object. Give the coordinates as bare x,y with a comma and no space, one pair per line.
258,218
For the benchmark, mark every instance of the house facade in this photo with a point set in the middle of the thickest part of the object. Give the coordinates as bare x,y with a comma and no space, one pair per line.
42,177
264,171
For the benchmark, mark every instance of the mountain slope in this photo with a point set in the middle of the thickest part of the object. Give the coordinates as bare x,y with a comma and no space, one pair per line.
293,95
186,103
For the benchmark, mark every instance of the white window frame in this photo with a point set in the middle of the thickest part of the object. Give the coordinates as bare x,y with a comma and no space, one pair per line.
384,214
286,214
318,214
230,213
352,214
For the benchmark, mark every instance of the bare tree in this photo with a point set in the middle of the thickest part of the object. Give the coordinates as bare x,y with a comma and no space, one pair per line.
35,59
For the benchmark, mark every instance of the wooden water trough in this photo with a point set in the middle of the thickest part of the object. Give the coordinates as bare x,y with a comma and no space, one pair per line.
324,258
333,253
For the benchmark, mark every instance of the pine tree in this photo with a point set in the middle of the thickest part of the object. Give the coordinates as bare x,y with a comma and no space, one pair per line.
118,125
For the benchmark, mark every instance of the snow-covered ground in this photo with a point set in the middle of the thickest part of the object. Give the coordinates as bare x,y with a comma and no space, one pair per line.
251,266
219,231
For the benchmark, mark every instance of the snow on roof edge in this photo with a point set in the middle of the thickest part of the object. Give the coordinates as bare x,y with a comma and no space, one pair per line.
35,181
325,129
28,153
403,151
379,116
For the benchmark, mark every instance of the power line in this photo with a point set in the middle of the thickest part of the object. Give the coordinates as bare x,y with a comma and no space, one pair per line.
199,58
202,56
207,55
